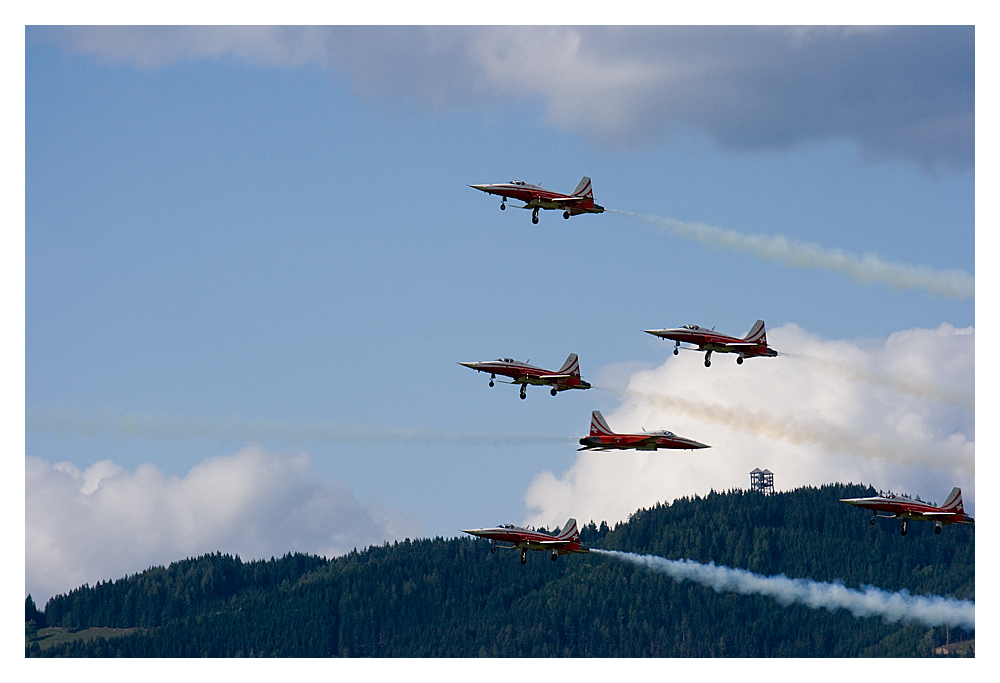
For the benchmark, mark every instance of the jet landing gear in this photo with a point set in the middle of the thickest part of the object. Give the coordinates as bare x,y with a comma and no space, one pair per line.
555,556
937,527
902,528
566,215
524,556
553,391
534,216
873,518
493,547
492,377
523,388
677,345
739,360
503,207
708,359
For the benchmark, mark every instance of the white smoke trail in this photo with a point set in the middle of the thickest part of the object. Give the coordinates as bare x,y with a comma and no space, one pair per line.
827,436
67,421
898,384
930,610
867,268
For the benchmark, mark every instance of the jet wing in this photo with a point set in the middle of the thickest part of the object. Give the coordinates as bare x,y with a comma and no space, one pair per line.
937,514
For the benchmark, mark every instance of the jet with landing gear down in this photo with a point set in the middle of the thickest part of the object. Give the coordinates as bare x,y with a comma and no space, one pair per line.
565,542
903,508
750,346
535,197
602,439
566,377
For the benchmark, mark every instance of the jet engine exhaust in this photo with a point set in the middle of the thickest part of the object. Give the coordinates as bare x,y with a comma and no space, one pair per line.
898,384
828,436
283,431
930,610
866,269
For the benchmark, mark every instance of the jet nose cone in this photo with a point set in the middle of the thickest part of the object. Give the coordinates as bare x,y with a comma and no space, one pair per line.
656,333
469,364
482,188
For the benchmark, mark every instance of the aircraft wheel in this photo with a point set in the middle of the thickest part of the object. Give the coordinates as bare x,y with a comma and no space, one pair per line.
523,396
493,549
524,557
553,391
491,382
503,207
708,363
739,360
555,556
565,214
676,352
902,528
873,519
937,529
534,219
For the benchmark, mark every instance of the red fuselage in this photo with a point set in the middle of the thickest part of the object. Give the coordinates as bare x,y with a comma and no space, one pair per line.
754,344
901,507
602,438
535,197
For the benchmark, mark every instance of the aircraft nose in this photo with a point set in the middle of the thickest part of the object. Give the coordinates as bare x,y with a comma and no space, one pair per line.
655,333
483,188
468,364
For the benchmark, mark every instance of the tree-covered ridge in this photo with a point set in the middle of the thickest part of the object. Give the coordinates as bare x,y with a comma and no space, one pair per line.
451,597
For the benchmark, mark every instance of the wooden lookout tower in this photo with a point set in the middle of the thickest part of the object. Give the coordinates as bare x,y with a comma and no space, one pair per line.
762,481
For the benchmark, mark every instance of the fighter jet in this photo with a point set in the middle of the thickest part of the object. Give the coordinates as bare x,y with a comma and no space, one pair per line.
566,377
567,541
535,197
750,346
602,439
903,508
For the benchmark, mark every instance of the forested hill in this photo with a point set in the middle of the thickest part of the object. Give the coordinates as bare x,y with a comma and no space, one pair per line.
452,598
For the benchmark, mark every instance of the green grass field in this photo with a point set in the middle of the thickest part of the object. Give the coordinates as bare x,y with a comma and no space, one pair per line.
47,637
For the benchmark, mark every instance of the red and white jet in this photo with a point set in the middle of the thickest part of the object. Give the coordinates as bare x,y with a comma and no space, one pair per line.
750,346
566,541
603,439
535,197
903,508
566,377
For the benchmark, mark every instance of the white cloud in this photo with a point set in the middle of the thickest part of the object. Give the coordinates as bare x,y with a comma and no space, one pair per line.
899,415
903,93
106,521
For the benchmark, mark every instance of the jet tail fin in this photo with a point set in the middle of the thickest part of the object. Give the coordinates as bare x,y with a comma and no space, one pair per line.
571,366
598,426
756,333
584,189
954,501
569,531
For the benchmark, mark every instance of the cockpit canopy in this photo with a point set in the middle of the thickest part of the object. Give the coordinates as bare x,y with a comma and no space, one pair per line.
517,182
506,360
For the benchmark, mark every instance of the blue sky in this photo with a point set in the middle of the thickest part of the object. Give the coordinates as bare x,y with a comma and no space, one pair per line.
255,253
